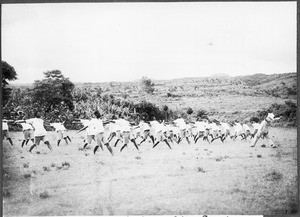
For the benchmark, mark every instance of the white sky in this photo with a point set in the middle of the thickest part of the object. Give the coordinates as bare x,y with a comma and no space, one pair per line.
97,42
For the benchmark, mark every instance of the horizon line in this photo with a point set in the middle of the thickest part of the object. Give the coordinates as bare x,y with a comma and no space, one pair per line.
15,82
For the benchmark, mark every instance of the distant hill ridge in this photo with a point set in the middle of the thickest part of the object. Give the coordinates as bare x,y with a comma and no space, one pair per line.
249,80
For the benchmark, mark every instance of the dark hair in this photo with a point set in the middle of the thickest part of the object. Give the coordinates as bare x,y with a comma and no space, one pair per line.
37,114
97,114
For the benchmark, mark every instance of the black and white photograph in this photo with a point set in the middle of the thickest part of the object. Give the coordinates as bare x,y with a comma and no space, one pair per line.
149,108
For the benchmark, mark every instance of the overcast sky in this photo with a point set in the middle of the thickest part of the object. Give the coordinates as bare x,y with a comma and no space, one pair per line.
97,42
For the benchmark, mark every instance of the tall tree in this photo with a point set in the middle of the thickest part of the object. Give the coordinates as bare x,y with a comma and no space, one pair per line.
146,85
54,92
8,74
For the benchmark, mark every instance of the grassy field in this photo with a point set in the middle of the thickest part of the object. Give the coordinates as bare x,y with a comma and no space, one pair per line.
202,178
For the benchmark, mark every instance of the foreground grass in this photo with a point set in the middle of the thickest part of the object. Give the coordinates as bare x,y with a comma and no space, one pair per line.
200,178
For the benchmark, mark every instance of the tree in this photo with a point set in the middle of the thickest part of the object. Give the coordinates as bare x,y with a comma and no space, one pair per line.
189,111
166,111
149,111
146,85
54,93
8,74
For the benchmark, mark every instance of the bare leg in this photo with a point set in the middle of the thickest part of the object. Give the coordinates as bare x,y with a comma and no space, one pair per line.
109,149
48,145
66,140
23,143
255,139
133,141
10,141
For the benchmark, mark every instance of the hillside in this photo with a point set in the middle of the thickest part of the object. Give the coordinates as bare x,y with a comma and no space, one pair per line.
222,96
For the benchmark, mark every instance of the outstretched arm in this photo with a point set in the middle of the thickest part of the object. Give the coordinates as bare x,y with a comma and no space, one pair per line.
47,123
275,119
107,122
82,129
133,128
19,121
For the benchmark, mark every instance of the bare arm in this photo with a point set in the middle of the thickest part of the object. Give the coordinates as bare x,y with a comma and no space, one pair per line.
135,127
82,129
19,121
275,119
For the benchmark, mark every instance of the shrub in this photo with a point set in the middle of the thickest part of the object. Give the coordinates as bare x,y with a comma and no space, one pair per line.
47,169
202,114
65,165
287,110
146,85
200,170
27,175
44,195
189,111
6,192
149,110
274,176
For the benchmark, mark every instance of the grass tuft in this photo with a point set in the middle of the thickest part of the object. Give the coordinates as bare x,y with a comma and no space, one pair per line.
219,159
274,176
200,170
44,195
26,165
6,192
65,164
47,169
53,165
27,175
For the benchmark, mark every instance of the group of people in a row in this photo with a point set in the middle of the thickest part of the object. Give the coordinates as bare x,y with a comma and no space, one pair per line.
104,131
34,129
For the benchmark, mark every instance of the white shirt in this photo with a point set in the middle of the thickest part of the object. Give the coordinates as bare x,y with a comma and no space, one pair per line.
214,127
246,127
38,125
176,130
58,126
86,123
96,126
180,123
144,126
201,126
238,128
256,126
263,127
26,126
225,126
4,126
123,125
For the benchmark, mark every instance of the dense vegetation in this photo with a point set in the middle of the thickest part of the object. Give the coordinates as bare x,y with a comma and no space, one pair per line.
8,74
220,97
